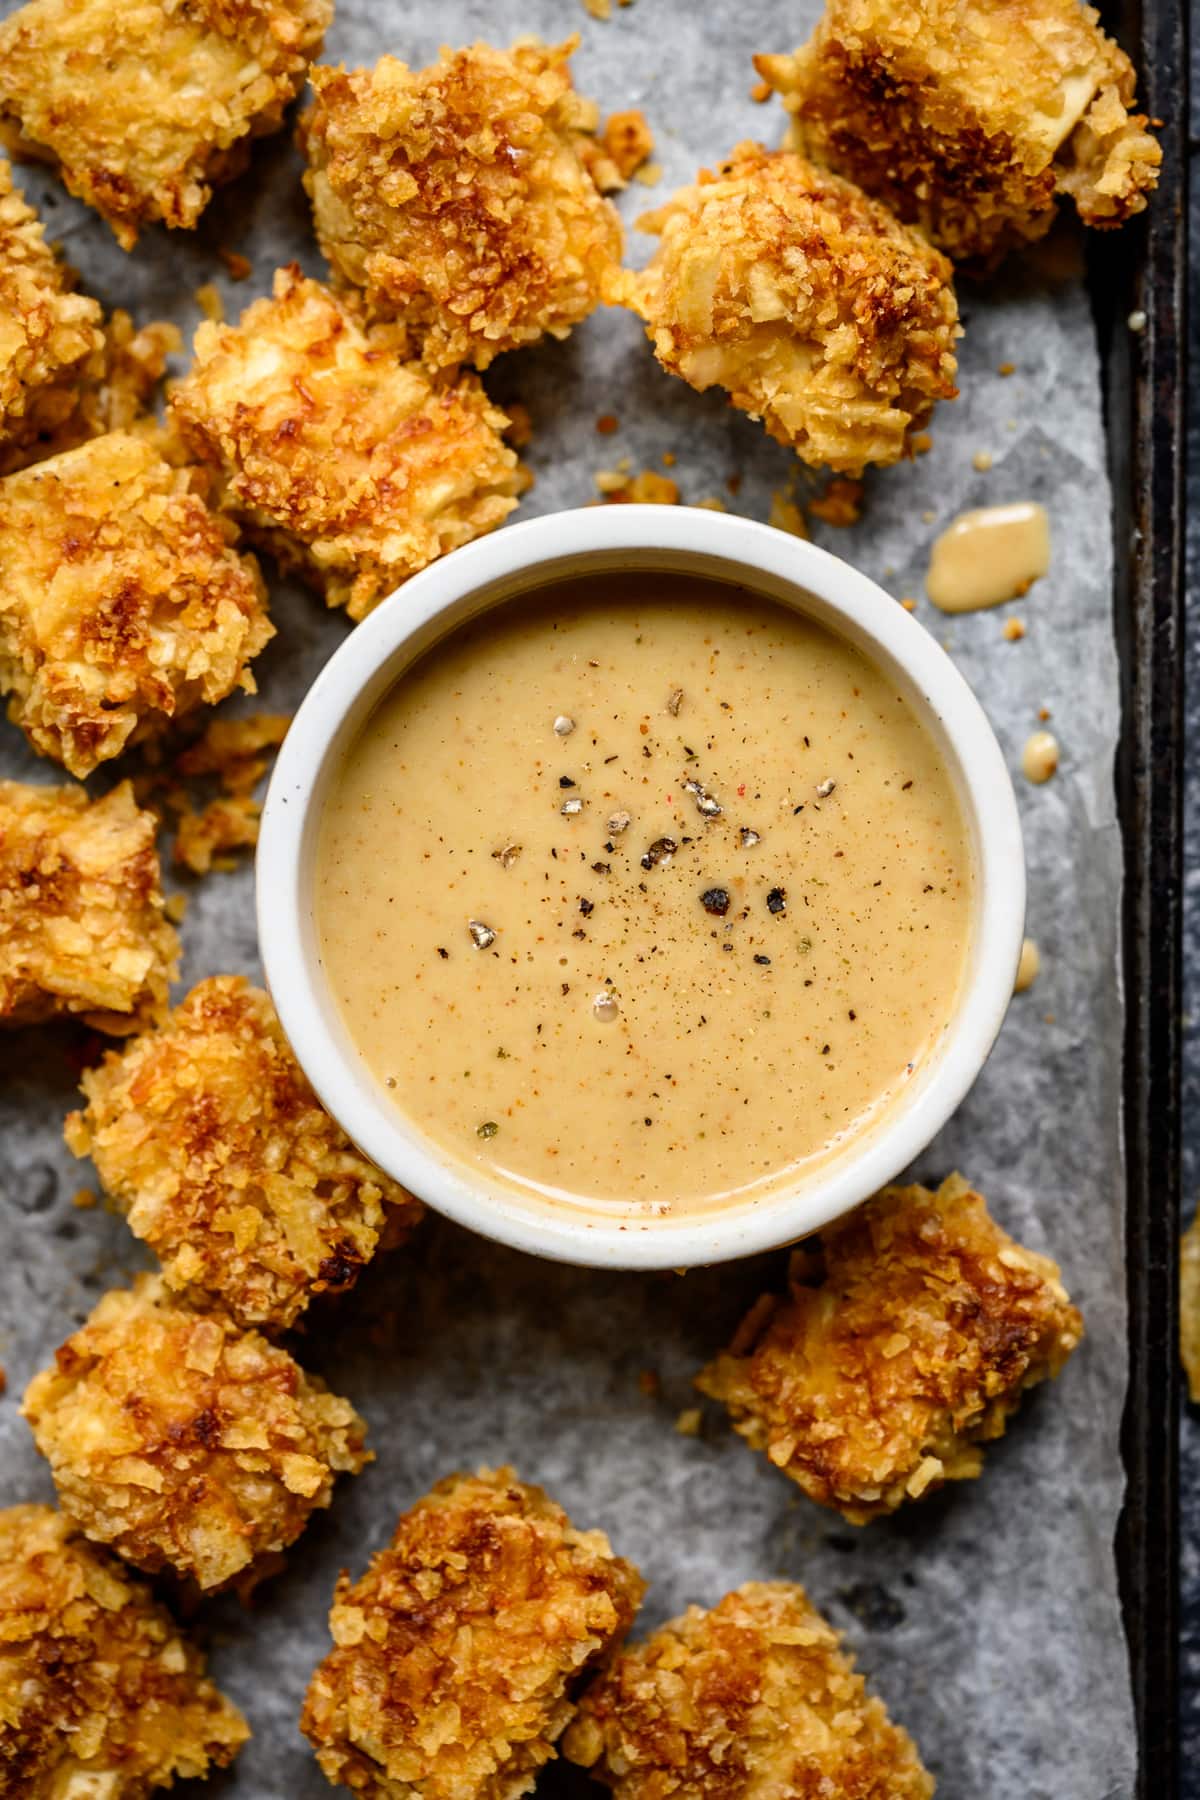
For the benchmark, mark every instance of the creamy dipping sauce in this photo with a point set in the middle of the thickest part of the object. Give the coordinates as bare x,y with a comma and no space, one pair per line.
646,890
985,557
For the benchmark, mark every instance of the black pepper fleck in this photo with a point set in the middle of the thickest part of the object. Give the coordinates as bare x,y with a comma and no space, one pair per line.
715,900
586,907
762,960
564,781
777,901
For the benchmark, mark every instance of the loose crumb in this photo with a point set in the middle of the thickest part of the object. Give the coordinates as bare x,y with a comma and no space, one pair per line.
921,443
84,1199
649,1383
1029,966
1014,630
1007,368
648,488
760,92
598,9
208,299
785,515
908,603
607,424
982,460
238,267
840,504
649,175
688,1422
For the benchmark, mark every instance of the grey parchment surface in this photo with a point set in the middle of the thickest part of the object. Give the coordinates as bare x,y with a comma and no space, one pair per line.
988,1617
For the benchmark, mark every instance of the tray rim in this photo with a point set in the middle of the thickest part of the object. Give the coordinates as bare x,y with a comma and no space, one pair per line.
1144,387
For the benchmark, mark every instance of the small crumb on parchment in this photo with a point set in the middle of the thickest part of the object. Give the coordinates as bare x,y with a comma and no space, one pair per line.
649,175
760,92
982,460
785,515
841,503
1007,368
1014,630
689,1421
908,603
648,488
208,299
84,1199
237,266
598,9
921,443
649,1383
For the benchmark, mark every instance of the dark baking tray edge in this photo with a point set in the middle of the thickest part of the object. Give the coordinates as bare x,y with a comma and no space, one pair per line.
1144,394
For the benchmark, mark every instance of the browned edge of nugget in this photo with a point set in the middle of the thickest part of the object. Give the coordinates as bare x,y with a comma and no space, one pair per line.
883,1380
210,1139
457,1655
754,1697
187,1444
101,1693
83,932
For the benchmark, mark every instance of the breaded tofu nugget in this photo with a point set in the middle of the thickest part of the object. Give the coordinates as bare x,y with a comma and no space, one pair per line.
460,199
885,1378
123,603
48,335
753,1698
457,1654
144,105
214,1146
352,466
102,1696
186,1443
83,932
970,117
815,309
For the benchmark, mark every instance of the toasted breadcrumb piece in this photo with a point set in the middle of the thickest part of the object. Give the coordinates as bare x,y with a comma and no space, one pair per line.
48,335
842,501
625,143
229,751
459,198
1189,1307
144,105
970,117
884,1379
214,1146
123,603
456,1655
753,1698
101,1694
350,465
184,1442
82,925
811,305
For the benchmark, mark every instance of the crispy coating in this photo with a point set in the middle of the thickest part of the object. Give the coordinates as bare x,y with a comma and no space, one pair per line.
122,600
884,1379
101,1694
459,197
48,335
214,1146
184,1442
456,1655
752,1700
145,104
1189,1307
970,117
82,927
810,304
350,465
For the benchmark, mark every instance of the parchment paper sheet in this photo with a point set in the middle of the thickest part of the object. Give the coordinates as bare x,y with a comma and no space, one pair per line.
988,1616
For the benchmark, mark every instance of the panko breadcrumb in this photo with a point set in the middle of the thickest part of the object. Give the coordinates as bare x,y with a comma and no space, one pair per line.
82,927
753,1698
233,753
457,1654
214,1146
459,198
186,1443
102,1696
350,465
1189,1307
47,333
123,603
884,1379
810,304
144,105
970,118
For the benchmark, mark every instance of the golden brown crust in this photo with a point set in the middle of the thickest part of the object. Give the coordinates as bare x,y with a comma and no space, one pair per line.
47,333
1189,1307
456,1654
811,305
350,465
100,1692
82,927
750,1701
123,603
145,104
458,197
969,117
185,1443
214,1146
882,1381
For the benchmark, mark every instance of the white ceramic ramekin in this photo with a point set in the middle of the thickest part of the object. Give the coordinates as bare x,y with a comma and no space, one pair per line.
486,574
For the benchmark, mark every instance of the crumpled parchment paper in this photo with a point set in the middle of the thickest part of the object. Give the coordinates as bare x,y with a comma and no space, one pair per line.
988,1616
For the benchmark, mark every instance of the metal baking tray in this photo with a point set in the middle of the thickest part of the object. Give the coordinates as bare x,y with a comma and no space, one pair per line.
1144,271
